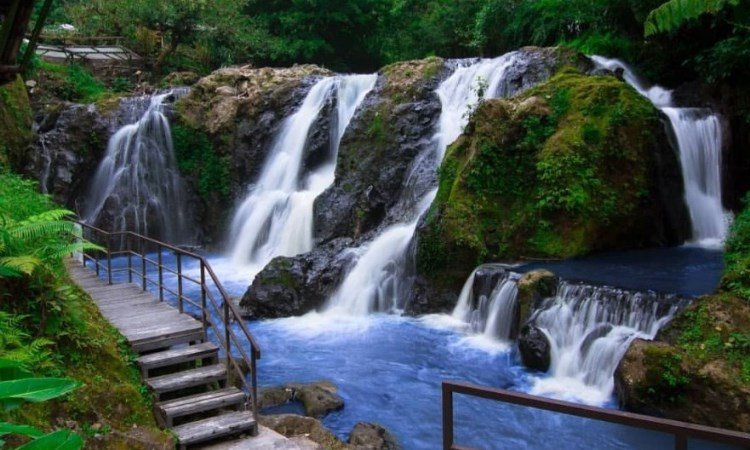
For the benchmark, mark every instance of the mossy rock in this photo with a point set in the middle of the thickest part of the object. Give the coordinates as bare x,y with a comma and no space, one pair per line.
699,368
570,167
15,123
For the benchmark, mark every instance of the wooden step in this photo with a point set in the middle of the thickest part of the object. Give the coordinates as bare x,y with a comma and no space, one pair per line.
169,410
214,427
187,379
177,356
185,331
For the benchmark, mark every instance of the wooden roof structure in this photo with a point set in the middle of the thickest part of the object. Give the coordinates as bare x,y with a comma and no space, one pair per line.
15,15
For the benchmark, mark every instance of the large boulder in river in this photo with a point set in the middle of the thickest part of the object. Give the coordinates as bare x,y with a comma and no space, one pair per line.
697,370
293,286
575,165
534,347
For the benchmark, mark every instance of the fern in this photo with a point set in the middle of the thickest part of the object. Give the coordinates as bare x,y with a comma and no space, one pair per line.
670,16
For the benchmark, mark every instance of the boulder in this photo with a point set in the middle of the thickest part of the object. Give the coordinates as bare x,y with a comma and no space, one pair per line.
533,288
292,426
693,371
511,187
370,436
318,398
534,347
394,124
290,286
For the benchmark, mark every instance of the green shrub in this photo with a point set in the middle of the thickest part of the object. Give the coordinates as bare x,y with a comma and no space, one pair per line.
736,277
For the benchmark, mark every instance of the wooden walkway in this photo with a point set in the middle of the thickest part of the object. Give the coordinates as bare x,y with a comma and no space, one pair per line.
189,384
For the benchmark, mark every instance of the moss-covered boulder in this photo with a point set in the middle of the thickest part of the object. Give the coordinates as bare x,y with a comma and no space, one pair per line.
697,371
575,165
15,123
225,125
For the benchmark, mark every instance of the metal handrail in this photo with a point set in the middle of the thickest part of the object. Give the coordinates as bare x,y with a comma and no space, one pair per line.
224,308
681,431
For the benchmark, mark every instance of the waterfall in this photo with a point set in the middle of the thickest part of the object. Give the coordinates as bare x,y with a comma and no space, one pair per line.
378,280
137,185
589,329
276,217
699,142
493,314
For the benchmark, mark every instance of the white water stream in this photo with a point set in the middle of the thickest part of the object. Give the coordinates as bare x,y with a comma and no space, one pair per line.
699,139
377,281
137,186
276,217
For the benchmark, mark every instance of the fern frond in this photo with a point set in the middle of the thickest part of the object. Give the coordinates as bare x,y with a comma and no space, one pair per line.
52,215
35,230
670,16
24,264
66,249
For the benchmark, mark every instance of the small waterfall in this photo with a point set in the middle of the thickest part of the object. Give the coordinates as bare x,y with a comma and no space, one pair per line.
699,141
589,328
276,217
137,185
492,314
378,280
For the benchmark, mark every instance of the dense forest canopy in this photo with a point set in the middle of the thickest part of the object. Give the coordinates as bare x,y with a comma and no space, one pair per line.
672,44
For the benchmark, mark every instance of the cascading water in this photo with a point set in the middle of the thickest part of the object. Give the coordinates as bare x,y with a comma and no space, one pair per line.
276,218
589,329
378,279
699,141
492,316
137,185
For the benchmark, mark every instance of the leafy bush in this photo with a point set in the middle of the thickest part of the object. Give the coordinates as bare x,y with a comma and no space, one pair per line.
736,277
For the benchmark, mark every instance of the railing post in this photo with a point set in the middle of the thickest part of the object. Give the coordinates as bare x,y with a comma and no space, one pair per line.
130,257
680,442
96,262
447,417
227,331
253,357
204,313
143,264
161,274
109,258
179,282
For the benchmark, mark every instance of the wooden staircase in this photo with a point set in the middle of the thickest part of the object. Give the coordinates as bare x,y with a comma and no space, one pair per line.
189,383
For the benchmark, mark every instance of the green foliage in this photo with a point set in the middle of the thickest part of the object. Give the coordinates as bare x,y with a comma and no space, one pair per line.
541,176
736,278
71,82
673,14
667,378
15,123
18,386
197,158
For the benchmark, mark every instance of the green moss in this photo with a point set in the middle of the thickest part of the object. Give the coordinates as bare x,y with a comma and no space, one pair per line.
665,380
736,277
15,123
197,158
70,82
545,174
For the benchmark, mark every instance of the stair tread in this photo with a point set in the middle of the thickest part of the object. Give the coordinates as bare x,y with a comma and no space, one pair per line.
173,356
202,402
213,427
187,378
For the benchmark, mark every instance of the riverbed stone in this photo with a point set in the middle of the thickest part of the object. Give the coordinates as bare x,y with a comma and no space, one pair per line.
370,436
318,398
534,347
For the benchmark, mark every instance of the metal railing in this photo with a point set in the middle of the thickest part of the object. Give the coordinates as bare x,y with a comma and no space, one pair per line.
212,311
682,431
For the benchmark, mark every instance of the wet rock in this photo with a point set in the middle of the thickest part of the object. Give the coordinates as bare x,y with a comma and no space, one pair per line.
290,286
370,436
394,124
70,143
183,78
318,398
292,425
533,288
534,347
